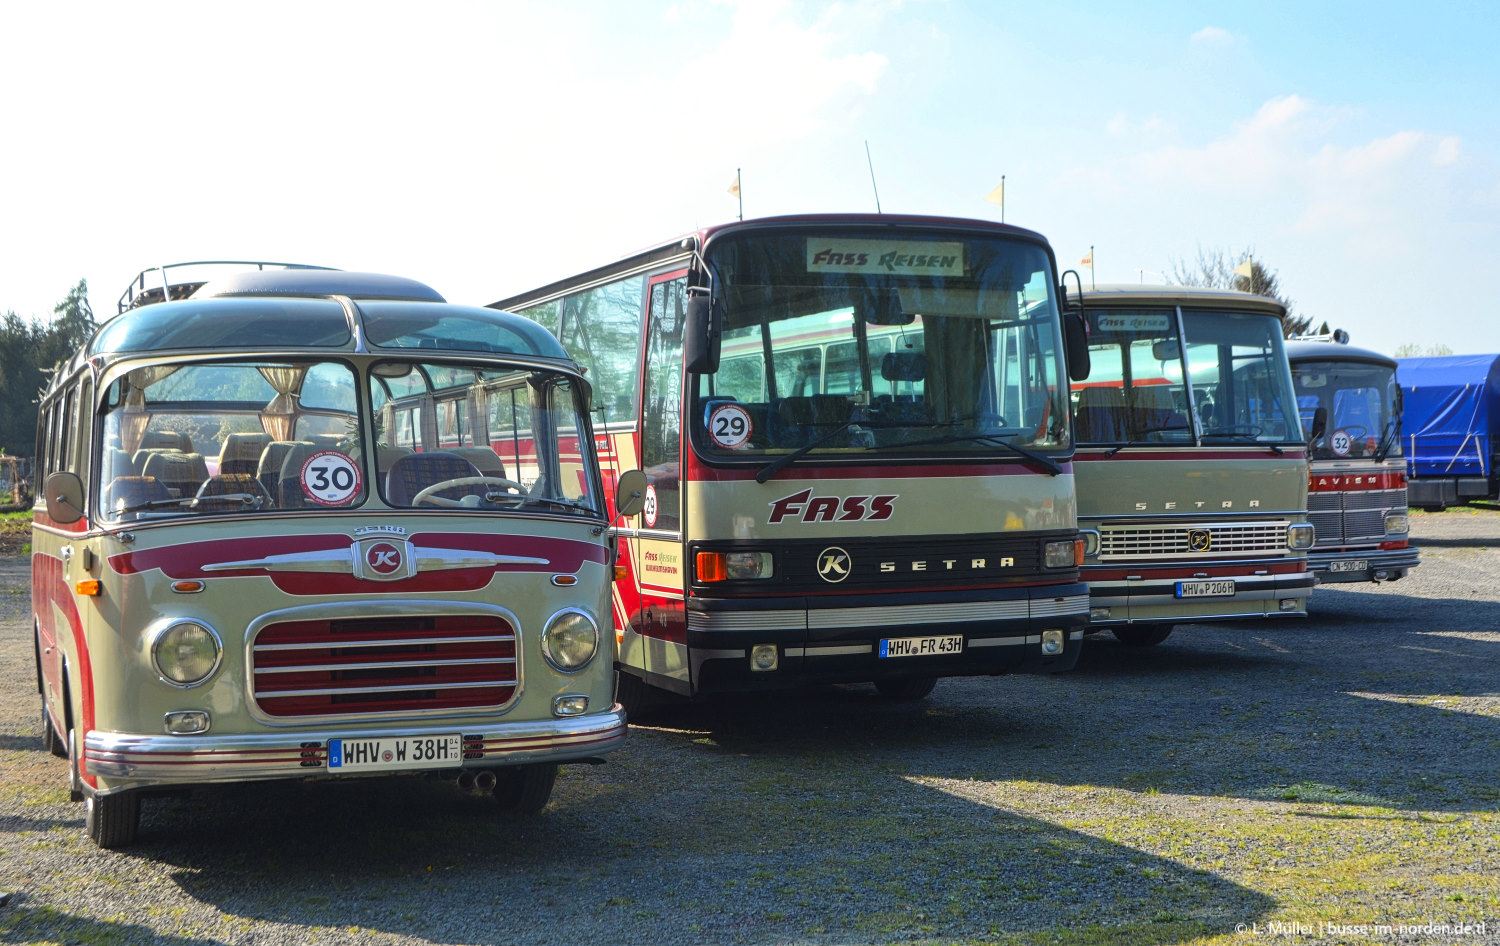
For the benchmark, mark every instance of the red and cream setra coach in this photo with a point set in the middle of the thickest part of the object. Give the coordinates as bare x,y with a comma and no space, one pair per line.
299,523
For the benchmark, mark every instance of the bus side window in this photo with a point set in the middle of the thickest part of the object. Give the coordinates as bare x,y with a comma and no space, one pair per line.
601,329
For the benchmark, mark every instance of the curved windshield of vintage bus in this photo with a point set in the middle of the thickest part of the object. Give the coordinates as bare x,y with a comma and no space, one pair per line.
1218,377
262,437
1362,401
473,436
840,343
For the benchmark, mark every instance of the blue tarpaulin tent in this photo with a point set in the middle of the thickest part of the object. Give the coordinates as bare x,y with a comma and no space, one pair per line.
1451,415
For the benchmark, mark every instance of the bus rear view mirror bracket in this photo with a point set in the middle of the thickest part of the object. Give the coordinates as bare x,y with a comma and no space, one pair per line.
1319,425
702,334
630,493
64,492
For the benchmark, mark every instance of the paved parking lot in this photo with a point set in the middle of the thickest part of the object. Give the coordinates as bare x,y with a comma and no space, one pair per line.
1239,783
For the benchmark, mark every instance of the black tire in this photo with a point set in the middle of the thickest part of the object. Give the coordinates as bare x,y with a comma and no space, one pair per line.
906,689
635,695
1142,635
113,820
525,789
51,741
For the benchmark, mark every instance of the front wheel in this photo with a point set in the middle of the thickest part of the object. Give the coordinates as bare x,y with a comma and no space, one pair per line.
1147,635
906,689
112,820
525,789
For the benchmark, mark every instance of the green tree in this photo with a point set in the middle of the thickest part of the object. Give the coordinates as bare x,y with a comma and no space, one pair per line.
1217,269
29,349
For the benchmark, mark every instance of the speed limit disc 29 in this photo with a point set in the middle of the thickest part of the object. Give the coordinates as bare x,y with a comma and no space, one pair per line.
729,425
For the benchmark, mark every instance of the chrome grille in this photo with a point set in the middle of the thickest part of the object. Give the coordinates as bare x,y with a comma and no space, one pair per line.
1353,516
384,666
1174,540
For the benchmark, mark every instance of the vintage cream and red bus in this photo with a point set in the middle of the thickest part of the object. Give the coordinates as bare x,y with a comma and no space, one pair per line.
1357,479
856,437
239,573
1191,464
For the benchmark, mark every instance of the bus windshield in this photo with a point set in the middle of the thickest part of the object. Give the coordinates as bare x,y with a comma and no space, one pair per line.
274,436
857,344
1217,377
1362,399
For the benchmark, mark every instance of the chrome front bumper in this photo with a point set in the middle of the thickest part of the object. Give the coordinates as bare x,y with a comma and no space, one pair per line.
133,760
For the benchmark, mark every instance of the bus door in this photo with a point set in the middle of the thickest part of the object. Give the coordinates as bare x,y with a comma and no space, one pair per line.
657,555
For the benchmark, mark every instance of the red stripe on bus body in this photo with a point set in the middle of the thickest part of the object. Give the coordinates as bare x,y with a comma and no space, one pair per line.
49,584
189,560
1189,570
1355,482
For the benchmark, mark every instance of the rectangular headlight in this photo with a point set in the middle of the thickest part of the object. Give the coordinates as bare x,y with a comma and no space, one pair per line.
1300,535
734,566
1396,523
1060,554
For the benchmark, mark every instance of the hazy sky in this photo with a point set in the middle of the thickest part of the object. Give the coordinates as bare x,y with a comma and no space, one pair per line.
486,148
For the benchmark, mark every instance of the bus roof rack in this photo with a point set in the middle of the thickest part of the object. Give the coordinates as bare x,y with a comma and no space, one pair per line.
139,294
308,281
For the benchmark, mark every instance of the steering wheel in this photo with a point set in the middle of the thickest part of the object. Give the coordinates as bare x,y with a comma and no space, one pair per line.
428,495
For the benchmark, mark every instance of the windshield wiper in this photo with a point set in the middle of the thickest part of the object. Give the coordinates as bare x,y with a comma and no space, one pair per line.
1387,440
247,499
1040,459
537,500
1148,443
1243,437
782,462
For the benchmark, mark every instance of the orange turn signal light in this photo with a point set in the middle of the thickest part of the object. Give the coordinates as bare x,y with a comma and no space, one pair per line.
713,566
1078,551
90,587
620,572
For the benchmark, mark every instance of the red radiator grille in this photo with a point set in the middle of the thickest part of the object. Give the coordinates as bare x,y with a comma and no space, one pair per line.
384,666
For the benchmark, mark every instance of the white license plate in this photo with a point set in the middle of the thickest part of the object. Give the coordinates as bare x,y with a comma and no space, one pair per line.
1206,589
1357,565
921,646
398,752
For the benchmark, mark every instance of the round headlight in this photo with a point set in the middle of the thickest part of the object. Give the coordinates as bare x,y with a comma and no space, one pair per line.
570,640
186,653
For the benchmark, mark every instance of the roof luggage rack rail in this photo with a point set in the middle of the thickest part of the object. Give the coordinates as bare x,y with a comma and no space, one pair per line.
138,294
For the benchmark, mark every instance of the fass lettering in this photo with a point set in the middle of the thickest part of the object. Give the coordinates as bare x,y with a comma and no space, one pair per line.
805,507
832,257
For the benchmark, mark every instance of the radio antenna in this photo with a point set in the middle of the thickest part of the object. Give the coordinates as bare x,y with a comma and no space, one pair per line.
872,175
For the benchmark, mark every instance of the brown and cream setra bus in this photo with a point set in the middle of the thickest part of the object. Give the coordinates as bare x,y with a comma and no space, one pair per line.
856,436
1191,463
308,524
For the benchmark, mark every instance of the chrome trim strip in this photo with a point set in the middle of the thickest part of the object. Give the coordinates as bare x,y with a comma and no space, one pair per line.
919,614
1060,607
389,642
238,758
405,688
1018,640
393,665
834,651
747,620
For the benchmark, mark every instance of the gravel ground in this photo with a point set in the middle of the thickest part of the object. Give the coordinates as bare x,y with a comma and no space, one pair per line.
1340,773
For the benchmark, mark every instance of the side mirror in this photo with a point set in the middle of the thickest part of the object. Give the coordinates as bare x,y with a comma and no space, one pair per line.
702,334
64,493
1076,345
1319,424
630,493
